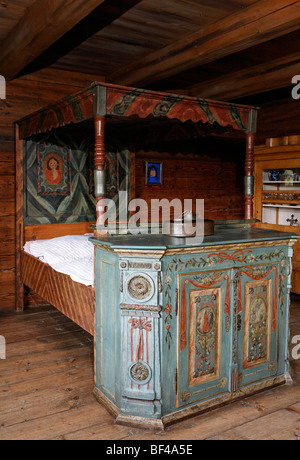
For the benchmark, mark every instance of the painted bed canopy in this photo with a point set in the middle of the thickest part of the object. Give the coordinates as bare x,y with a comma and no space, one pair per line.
103,102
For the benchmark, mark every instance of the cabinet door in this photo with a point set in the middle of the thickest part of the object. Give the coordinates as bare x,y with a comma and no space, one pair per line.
204,342
257,328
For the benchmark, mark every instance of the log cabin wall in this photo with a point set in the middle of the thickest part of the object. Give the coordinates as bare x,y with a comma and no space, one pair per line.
23,96
209,169
278,119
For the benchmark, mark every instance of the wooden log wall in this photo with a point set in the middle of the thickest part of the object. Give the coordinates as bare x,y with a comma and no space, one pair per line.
278,119
24,96
216,174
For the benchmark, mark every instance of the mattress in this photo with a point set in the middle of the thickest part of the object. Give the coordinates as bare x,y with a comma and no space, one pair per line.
72,255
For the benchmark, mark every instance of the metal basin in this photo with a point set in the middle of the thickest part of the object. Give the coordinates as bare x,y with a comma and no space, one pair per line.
178,229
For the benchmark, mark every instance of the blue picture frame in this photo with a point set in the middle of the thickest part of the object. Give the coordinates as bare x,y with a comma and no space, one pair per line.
153,173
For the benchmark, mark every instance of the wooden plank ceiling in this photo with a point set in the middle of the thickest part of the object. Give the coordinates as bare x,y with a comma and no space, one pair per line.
233,50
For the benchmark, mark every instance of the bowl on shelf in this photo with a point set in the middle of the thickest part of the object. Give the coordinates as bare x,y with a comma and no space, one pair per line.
288,176
285,140
294,140
274,175
274,141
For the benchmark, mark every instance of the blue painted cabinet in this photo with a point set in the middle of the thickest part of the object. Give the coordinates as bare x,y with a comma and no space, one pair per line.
182,329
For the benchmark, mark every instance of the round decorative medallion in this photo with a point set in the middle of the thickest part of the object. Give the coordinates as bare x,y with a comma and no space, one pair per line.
140,372
139,288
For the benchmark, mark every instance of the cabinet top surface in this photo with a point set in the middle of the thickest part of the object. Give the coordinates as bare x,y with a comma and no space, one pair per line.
162,242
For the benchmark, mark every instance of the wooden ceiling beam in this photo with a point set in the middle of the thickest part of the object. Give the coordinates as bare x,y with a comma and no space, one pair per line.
257,79
43,24
261,22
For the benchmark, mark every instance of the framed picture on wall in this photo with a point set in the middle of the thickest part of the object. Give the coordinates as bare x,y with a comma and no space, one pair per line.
153,173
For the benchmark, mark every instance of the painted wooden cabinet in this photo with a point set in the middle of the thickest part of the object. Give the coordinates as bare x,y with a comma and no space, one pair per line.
181,328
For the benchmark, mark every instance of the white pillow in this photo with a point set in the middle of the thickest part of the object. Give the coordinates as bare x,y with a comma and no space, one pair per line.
61,249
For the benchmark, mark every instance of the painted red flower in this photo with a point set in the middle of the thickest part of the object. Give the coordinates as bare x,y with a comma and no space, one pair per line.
168,309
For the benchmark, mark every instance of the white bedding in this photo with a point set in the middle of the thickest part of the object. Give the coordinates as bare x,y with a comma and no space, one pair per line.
72,255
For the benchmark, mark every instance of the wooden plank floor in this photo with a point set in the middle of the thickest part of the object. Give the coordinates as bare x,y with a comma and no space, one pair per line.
46,387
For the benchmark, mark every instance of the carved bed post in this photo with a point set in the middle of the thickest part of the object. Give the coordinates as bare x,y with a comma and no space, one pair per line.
100,180
249,178
249,164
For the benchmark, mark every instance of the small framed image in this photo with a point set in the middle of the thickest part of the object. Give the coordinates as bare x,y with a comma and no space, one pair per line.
153,173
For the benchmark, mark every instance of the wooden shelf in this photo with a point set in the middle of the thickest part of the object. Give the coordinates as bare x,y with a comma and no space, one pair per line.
269,202
282,182
274,205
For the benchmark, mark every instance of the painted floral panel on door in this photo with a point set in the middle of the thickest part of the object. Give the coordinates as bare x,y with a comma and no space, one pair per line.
257,322
204,340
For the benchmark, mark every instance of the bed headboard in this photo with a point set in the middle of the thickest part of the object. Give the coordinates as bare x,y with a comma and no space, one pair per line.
59,179
58,198
48,231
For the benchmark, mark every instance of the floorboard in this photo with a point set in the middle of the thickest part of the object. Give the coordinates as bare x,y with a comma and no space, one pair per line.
46,385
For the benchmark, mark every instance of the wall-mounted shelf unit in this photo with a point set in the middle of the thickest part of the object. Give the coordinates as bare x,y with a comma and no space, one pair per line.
277,195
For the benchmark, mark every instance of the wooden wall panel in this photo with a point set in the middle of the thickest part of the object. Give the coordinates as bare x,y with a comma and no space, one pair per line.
219,181
7,225
24,96
278,119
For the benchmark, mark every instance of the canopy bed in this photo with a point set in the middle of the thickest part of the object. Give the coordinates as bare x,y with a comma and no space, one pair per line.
149,289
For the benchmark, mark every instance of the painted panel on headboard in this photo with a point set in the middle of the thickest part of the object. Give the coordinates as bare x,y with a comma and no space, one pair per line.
59,184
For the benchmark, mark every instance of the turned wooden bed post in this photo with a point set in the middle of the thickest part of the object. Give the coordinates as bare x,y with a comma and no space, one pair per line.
249,178
249,164
99,103
100,179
